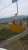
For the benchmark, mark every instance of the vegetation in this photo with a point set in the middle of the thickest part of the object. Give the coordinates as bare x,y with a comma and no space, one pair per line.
5,32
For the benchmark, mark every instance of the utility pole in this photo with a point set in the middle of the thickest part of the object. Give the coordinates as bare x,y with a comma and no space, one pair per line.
17,7
13,1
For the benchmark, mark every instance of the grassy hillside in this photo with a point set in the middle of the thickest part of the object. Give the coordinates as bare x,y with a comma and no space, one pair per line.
4,32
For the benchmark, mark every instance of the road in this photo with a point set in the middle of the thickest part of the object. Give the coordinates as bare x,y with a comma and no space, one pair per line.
17,43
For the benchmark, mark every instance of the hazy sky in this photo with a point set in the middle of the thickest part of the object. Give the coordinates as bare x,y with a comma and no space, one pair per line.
9,9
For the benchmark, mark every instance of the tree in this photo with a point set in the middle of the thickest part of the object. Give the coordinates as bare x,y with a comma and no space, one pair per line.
27,21
23,19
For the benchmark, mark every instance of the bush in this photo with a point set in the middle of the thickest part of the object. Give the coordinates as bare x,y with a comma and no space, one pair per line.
5,34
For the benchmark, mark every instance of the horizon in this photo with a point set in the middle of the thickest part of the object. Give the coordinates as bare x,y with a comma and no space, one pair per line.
13,16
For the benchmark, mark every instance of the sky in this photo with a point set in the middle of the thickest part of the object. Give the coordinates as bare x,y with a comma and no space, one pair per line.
8,9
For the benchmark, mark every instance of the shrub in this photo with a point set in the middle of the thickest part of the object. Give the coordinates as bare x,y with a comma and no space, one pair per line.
5,34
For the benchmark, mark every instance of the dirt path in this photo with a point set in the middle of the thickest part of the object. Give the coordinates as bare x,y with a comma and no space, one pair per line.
4,44
19,44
